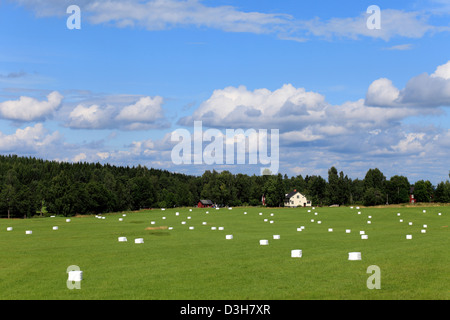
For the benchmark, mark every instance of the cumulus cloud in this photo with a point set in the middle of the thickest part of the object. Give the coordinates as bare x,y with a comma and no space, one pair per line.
30,109
146,113
36,139
421,91
92,117
240,107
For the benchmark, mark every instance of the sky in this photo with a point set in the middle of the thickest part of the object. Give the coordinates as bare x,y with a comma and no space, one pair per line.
339,89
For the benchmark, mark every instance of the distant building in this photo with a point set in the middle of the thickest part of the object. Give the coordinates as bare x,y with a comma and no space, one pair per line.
296,199
205,204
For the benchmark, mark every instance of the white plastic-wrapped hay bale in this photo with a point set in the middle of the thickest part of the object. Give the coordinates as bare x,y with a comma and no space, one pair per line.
348,230
265,220
229,237
204,223
190,210
312,220
245,212
191,228
364,237
189,218
260,213
221,228
369,222
67,220
28,232
410,223
183,222
423,231
9,229
177,213
362,232
409,236
398,214
425,226
271,221
424,211
124,215
170,228
264,242
139,240
75,275
163,209
276,236
164,218
401,220
354,256
122,239
319,222
152,222
55,228
213,228
330,229
299,229
120,219
296,253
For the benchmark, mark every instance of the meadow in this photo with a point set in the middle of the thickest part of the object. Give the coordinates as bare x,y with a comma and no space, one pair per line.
181,263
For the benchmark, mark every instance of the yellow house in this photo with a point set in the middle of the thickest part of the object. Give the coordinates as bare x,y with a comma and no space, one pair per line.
296,199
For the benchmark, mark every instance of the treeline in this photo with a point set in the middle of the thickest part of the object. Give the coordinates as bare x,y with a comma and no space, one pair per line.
30,186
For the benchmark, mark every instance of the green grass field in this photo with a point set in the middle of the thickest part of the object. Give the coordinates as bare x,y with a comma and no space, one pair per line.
201,264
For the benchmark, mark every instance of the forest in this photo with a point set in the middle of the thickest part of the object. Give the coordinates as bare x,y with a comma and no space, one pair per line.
36,187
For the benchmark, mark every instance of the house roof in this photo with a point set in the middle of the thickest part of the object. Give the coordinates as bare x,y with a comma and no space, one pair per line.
290,194
206,202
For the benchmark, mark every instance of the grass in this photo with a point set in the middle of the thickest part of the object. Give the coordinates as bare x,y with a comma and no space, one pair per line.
201,264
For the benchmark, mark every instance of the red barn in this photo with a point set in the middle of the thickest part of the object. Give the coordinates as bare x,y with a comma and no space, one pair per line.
205,204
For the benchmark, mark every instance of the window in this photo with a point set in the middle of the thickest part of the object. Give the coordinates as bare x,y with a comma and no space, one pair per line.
298,197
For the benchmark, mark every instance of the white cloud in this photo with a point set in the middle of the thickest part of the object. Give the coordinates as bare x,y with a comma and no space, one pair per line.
30,109
442,71
238,107
147,109
400,47
421,91
394,23
93,117
167,14
146,113
32,140
79,157
382,93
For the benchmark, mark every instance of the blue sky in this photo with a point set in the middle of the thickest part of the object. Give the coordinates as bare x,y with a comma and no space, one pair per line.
340,94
